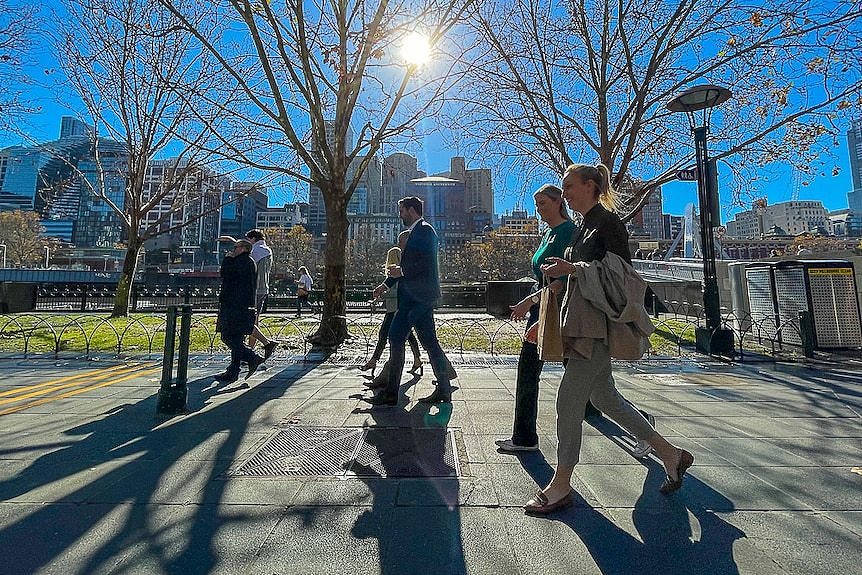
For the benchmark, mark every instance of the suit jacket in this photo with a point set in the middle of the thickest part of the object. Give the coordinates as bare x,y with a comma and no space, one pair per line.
236,300
420,281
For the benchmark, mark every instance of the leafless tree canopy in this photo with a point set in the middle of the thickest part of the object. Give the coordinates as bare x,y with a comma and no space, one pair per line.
587,81
292,67
17,23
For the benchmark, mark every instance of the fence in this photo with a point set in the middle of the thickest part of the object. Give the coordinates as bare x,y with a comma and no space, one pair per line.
149,298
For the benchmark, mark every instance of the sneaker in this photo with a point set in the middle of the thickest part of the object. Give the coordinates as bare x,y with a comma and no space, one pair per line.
226,377
642,449
508,445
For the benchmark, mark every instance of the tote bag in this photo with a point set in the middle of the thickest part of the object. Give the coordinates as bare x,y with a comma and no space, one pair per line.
550,338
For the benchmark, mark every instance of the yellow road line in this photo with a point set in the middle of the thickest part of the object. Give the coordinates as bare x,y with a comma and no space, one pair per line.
48,390
69,378
77,391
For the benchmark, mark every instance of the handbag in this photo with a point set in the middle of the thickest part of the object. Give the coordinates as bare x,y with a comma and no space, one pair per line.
301,291
550,337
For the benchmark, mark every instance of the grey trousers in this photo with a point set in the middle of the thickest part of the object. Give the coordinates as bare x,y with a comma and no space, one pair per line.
591,379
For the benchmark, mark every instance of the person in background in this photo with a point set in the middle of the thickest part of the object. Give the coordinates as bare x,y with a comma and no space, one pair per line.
261,254
303,289
236,310
588,376
551,210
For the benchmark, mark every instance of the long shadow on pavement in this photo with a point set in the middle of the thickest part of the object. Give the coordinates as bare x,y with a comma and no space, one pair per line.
422,535
662,523
141,453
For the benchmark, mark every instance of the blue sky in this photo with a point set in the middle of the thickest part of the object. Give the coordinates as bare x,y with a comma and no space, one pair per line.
775,182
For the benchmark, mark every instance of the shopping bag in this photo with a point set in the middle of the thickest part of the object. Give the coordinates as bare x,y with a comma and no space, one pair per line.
550,338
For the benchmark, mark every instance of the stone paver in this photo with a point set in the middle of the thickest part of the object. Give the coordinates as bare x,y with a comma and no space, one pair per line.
97,483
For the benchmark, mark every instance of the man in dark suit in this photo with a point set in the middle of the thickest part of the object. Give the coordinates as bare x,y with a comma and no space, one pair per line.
418,281
236,312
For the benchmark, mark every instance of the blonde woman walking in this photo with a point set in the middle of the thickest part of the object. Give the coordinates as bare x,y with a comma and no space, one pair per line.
588,376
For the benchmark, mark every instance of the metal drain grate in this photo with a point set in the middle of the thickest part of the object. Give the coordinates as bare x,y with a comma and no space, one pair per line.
303,451
406,452
355,452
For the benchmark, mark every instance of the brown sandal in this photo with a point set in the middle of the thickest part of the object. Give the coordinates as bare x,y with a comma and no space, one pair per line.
539,504
670,485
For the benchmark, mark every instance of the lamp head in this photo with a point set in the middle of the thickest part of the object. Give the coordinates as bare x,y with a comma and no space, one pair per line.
699,98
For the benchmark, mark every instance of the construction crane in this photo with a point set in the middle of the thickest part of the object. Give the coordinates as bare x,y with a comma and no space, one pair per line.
795,184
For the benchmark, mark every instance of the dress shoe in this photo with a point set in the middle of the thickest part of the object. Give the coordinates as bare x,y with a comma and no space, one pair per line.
671,485
382,399
269,348
226,377
253,364
437,397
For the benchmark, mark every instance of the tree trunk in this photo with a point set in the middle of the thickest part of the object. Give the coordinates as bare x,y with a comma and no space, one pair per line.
333,325
127,278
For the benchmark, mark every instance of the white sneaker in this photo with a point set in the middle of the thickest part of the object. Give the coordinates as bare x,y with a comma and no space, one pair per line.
642,449
507,445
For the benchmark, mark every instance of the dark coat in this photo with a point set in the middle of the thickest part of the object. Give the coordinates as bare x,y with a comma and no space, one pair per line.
236,311
420,281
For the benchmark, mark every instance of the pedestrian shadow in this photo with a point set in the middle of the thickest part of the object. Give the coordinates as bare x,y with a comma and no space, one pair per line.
416,521
134,481
665,542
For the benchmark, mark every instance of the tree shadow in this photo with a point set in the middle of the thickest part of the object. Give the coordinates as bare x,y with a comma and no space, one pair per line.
124,464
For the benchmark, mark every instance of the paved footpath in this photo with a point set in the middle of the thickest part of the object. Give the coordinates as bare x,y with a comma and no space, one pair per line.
293,474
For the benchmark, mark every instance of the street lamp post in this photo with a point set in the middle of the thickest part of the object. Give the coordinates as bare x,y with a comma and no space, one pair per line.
713,338
47,256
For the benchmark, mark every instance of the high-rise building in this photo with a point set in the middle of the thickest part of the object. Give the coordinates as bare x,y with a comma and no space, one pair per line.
241,205
61,181
648,222
444,208
97,223
398,170
854,145
286,216
793,217
316,207
193,201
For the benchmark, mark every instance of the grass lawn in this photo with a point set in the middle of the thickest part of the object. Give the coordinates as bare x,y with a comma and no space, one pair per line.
144,333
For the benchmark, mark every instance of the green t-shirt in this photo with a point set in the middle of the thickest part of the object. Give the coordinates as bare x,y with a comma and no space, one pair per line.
554,243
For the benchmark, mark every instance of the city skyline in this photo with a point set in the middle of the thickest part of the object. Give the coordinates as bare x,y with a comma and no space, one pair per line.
47,91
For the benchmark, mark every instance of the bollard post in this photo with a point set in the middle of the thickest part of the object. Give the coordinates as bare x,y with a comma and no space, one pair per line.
172,394
185,337
806,333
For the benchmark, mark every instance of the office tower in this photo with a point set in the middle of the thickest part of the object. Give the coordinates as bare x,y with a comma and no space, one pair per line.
241,204
854,146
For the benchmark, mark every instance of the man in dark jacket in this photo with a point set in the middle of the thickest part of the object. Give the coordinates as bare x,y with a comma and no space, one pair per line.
236,312
418,280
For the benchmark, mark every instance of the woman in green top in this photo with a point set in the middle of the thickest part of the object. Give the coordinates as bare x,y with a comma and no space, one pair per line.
552,211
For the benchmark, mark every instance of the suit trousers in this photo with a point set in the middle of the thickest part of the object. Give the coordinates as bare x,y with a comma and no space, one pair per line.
383,335
591,380
239,351
420,317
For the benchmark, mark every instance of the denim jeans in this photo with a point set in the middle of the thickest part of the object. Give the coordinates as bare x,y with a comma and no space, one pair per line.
420,317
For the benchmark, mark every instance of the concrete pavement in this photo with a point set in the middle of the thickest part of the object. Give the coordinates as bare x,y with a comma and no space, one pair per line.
92,481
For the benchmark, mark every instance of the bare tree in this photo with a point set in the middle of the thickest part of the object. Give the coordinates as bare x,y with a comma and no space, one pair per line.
134,66
588,81
17,23
291,248
306,73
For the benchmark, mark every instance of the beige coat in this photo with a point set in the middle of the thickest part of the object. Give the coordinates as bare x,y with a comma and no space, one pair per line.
605,300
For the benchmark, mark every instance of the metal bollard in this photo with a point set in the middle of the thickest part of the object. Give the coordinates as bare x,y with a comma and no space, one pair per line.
173,393
806,333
